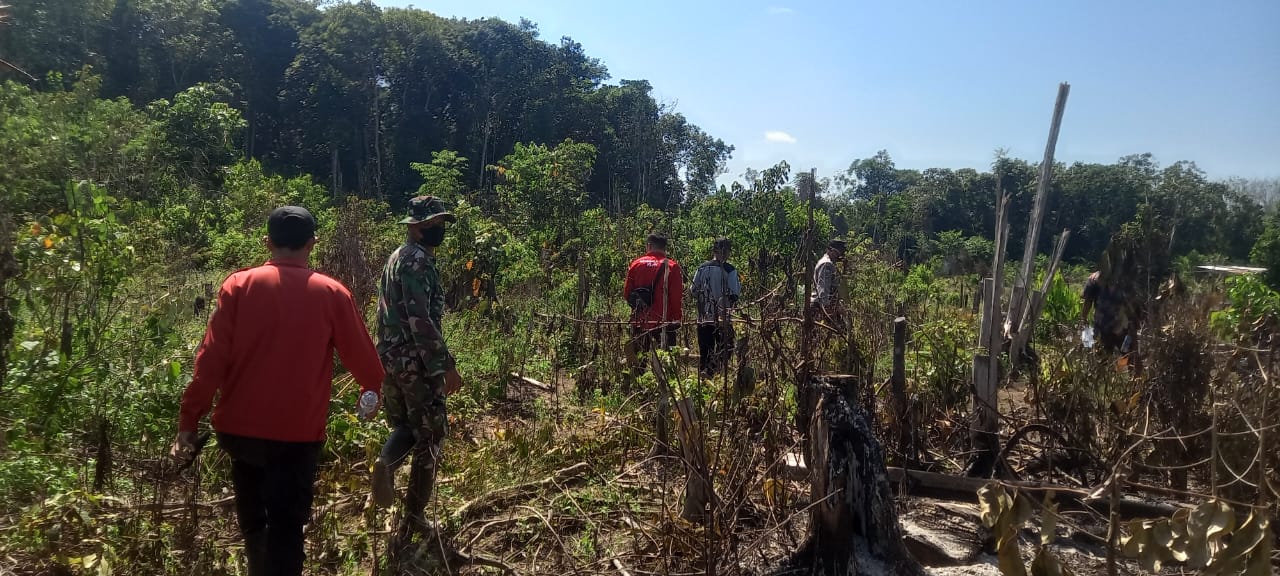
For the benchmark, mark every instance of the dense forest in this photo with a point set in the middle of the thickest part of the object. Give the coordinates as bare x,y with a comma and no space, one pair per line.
145,141
355,96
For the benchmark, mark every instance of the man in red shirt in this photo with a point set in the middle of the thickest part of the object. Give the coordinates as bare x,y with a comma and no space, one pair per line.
654,289
268,355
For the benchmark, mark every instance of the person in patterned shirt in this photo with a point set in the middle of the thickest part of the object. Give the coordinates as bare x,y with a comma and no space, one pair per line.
420,370
717,289
1111,325
826,279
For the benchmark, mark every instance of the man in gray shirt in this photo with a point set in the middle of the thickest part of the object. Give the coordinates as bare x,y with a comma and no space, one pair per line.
716,288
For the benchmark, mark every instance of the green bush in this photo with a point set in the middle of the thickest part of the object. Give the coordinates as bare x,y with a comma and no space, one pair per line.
1266,252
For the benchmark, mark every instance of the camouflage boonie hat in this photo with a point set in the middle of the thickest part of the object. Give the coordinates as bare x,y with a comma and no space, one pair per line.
427,209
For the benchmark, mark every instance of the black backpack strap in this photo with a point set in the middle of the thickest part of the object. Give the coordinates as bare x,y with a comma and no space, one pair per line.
653,288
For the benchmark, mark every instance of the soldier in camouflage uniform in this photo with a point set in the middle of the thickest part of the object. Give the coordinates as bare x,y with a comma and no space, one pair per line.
420,369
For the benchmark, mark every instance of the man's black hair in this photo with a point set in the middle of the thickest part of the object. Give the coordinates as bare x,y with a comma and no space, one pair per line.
721,245
657,240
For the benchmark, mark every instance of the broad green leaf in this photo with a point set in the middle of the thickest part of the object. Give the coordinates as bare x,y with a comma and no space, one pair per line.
1133,545
1009,559
1199,520
1151,559
1048,520
1046,564
1161,534
1260,560
1022,511
1222,522
989,503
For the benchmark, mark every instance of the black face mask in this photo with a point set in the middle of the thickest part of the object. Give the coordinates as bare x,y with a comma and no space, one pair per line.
433,236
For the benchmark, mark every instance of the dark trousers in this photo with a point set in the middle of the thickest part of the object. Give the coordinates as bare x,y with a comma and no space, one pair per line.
661,338
643,340
274,485
715,344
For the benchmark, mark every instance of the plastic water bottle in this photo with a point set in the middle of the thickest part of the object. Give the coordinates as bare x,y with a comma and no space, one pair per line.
1086,337
368,401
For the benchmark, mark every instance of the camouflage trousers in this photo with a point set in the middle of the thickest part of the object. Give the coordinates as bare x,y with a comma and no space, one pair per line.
415,408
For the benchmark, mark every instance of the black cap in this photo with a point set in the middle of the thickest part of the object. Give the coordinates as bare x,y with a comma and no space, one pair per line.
837,244
291,227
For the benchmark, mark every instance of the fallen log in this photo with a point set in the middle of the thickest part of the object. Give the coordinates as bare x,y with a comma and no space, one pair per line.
965,489
945,486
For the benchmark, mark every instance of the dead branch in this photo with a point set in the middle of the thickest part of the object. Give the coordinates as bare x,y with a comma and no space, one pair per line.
531,382
18,70
505,496
478,560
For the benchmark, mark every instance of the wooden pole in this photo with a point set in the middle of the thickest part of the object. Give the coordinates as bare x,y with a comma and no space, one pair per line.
699,491
806,398
985,428
898,387
1017,307
1023,336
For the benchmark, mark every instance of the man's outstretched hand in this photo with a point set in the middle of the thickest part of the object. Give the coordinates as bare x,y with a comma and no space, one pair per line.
184,448
452,382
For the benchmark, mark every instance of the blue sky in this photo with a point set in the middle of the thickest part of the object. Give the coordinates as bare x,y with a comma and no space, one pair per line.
943,83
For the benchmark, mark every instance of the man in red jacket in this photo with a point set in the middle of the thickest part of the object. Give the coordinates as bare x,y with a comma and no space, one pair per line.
268,355
654,289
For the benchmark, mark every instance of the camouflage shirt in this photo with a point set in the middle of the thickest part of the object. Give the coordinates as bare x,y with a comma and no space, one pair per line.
1109,316
410,309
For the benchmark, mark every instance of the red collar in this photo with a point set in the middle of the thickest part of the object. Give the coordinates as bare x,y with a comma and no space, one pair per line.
285,264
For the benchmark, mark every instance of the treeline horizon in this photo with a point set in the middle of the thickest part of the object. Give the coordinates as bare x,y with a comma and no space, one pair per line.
360,98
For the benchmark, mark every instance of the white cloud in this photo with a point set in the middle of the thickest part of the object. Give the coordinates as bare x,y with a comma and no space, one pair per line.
780,10
779,136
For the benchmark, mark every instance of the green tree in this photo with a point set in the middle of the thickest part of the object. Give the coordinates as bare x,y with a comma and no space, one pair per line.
543,188
443,176
1266,252
200,132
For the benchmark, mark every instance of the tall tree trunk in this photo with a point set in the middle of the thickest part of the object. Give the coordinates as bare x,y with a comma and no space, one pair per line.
8,270
377,144
335,180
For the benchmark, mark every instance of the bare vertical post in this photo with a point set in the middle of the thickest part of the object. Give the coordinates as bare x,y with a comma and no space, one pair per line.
898,386
986,369
1017,307
699,492
806,397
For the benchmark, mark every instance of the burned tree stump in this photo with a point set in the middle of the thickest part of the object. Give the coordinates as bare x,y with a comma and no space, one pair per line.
853,527
699,492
